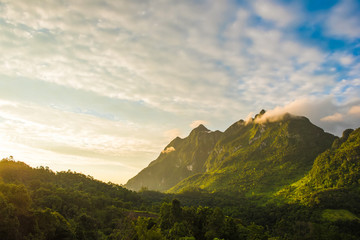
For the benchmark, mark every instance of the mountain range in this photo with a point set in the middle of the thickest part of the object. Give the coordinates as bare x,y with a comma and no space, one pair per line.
277,177
260,156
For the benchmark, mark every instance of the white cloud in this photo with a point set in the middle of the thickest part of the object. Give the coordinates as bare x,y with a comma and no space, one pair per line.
347,90
325,113
347,60
78,134
168,150
118,51
236,28
354,110
115,65
172,133
337,117
343,20
274,12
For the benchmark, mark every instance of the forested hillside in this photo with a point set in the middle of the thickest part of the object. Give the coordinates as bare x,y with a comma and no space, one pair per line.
257,156
40,204
334,180
261,179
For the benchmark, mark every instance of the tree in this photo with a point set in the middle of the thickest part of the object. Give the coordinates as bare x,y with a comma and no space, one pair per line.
176,211
9,223
52,225
146,229
86,228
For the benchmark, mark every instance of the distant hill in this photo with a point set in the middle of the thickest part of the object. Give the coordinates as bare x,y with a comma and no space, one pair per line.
258,156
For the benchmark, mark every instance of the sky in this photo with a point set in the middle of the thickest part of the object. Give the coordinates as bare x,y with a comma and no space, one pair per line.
102,86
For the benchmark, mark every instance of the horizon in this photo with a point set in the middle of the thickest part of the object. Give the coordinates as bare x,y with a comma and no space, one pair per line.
101,87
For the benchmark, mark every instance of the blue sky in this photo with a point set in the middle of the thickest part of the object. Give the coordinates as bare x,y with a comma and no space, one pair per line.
101,87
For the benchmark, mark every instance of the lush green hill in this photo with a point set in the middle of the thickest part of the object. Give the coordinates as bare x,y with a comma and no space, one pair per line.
260,156
257,156
334,178
38,204
180,159
322,205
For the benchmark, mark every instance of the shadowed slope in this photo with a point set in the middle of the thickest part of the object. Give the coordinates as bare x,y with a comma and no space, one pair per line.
180,159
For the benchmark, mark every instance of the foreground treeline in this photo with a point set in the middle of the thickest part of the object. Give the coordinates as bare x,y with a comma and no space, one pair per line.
257,218
40,204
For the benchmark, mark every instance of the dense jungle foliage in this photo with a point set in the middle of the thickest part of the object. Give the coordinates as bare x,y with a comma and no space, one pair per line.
40,204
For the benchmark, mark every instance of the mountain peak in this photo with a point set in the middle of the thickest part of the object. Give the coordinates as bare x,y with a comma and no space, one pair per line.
203,154
260,114
200,128
180,159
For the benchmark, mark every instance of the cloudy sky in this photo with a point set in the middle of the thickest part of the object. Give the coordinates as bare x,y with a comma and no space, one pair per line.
101,86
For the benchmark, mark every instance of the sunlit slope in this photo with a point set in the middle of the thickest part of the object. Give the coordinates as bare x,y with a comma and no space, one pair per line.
260,156
179,160
334,179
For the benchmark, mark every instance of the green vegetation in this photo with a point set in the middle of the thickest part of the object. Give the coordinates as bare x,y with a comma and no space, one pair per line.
334,215
184,157
334,177
254,157
261,158
285,179
40,204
